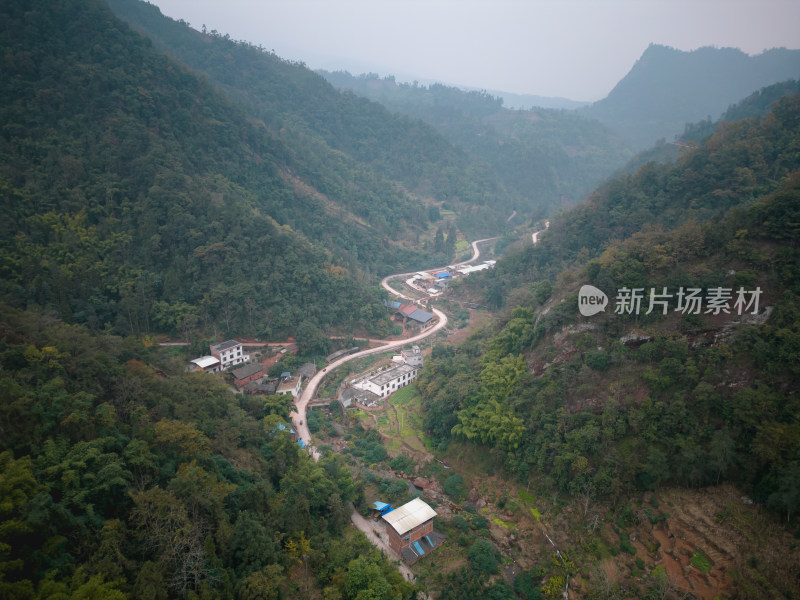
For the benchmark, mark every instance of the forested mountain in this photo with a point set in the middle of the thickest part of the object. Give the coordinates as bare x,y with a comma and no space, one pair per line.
620,401
547,157
190,185
350,149
137,197
121,477
668,88
757,104
639,397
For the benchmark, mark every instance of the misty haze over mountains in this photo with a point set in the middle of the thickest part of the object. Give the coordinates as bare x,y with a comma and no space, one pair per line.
669,88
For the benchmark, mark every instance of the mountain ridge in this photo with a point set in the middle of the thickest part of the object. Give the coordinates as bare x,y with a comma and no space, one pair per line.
667,88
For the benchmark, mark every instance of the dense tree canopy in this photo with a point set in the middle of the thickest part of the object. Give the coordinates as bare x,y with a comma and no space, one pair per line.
697,398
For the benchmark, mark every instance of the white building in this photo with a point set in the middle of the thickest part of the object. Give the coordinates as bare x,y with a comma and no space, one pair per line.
390,380
229,353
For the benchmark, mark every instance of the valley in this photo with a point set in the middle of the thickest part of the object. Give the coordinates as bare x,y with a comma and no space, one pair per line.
268,332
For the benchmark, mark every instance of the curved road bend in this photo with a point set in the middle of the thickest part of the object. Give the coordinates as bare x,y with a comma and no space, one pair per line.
298,416
535,236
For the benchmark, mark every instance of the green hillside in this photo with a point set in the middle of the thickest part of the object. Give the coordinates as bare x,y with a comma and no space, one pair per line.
548,157
666,393
121,477
337,140
137,197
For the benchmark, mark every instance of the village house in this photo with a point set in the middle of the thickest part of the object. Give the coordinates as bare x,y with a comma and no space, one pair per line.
370,390
229,353
410,530
390,380
289,385
265,388
412,357
306,370
410,314
247,374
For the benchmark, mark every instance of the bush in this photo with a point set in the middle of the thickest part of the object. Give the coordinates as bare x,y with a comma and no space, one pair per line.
526,585
598,360
454,486
482,558
700,562
315,420
479,522
402,463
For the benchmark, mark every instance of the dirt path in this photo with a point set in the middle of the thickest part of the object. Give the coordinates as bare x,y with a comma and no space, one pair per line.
377,536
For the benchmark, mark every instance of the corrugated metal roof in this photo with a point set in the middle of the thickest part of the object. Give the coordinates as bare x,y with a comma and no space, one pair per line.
421,316
409,515
206,361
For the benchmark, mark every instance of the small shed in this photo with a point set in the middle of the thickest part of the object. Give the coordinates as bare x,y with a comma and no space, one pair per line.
381,508
410,530
209,364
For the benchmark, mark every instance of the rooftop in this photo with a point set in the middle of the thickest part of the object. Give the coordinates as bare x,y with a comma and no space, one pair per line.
409,516
385,377
289,383
248,370
421,316
206,361
220,346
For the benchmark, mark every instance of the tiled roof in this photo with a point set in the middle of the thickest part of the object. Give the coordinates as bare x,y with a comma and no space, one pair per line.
407,309
248,370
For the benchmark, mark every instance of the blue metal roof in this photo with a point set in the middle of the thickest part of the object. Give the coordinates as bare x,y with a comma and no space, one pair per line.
380,505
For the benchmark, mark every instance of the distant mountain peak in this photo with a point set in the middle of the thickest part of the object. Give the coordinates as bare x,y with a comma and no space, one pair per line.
667,88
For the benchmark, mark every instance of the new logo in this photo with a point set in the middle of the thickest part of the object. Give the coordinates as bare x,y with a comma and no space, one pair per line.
591,300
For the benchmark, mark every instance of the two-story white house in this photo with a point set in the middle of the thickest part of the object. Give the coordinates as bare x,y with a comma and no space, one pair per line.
390,380
229,353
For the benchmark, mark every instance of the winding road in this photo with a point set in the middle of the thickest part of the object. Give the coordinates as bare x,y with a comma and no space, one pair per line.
535,236
299,421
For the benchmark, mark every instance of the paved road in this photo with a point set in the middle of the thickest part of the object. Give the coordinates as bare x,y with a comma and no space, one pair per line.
298,416
300,422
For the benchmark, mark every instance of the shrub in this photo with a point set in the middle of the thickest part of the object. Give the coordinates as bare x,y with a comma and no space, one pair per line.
454,486
482,557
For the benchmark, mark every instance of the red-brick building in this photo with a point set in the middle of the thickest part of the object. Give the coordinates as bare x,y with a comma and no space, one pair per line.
410,530
247,374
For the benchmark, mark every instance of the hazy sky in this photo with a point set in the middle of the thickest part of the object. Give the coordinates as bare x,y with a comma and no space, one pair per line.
577,49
